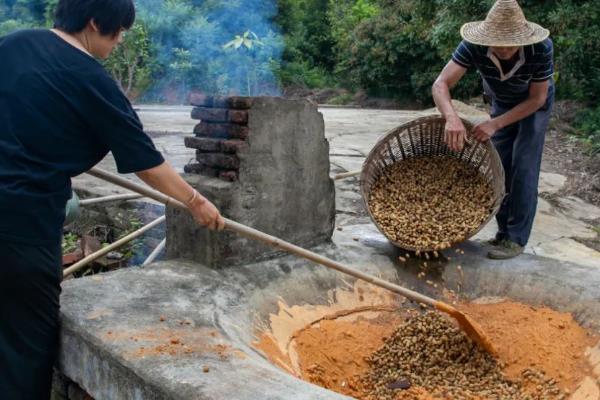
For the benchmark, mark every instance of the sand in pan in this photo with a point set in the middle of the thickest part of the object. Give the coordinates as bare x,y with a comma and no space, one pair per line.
537,337
327,344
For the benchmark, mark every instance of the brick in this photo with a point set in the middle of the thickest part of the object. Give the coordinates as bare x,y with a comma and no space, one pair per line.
238,116
233,146
210,114
72,258
204,144
199,99
229,176
201,170
218,160
237,102
216,130
213,130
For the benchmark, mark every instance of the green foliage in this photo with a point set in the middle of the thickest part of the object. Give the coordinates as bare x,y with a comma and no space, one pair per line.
69,242
587,124
23,10
401,50
302,74
189,44
392,48
248,42
308,59
49,13
307,32
130,62
181,66
344,16
342,99
574,26
21,14
135,245
12,25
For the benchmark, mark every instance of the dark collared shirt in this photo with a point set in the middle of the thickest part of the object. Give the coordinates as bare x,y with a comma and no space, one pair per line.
534,64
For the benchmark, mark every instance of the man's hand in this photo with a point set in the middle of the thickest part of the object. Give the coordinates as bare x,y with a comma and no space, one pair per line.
485,130
206,214
455,134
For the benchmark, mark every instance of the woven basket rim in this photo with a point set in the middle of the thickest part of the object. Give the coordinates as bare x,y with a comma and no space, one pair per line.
431,119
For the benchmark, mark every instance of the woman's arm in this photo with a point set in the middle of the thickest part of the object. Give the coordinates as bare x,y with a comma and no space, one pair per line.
166,180
455,133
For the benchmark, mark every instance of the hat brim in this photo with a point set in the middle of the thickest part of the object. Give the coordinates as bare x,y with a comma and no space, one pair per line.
476,33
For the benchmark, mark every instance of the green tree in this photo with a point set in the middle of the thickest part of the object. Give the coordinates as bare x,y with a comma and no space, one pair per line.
344,17
247,42
392,54
308,58
12,25
130,62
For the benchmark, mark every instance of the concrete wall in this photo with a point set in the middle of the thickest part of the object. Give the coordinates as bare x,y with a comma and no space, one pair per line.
284,188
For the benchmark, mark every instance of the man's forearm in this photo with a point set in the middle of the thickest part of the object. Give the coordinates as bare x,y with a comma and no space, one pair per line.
519,112
442,99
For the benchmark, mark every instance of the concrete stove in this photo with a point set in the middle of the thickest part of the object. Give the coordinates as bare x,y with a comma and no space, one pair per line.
264,162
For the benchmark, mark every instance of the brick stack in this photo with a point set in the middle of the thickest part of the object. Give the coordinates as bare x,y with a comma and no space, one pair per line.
220,136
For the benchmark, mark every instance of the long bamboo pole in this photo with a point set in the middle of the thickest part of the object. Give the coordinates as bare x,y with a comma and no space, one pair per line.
155,252
112,197
345,175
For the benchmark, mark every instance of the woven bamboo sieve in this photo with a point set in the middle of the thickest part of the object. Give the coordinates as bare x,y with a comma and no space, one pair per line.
424,137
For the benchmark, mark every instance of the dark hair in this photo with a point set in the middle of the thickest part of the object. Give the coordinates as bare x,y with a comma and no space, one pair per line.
110,16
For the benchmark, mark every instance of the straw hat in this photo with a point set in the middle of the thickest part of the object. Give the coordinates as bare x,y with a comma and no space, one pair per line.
505,25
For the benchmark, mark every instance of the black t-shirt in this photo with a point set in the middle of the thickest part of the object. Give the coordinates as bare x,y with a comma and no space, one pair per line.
60,114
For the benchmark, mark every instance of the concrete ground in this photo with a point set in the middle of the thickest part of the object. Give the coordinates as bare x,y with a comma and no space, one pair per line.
178,330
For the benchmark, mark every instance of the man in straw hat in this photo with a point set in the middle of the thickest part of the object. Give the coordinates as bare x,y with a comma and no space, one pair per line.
514,58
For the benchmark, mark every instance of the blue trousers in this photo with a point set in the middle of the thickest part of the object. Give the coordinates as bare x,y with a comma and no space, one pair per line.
520,146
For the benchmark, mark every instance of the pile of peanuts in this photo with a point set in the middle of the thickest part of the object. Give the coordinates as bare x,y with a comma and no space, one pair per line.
430,353
430,202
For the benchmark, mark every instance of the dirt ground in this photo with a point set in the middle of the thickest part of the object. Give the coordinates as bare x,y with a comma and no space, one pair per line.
565,155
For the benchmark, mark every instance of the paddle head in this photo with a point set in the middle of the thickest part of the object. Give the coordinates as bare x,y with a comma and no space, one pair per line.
469,326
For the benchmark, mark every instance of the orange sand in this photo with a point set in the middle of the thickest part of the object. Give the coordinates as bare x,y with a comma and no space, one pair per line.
535,337
330,345
346,343
162,340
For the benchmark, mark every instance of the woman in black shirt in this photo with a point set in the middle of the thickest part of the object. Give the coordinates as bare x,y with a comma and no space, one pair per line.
60,114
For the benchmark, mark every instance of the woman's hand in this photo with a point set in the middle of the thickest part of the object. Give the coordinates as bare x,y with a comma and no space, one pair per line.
455,134
485,130
205,212
166,180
